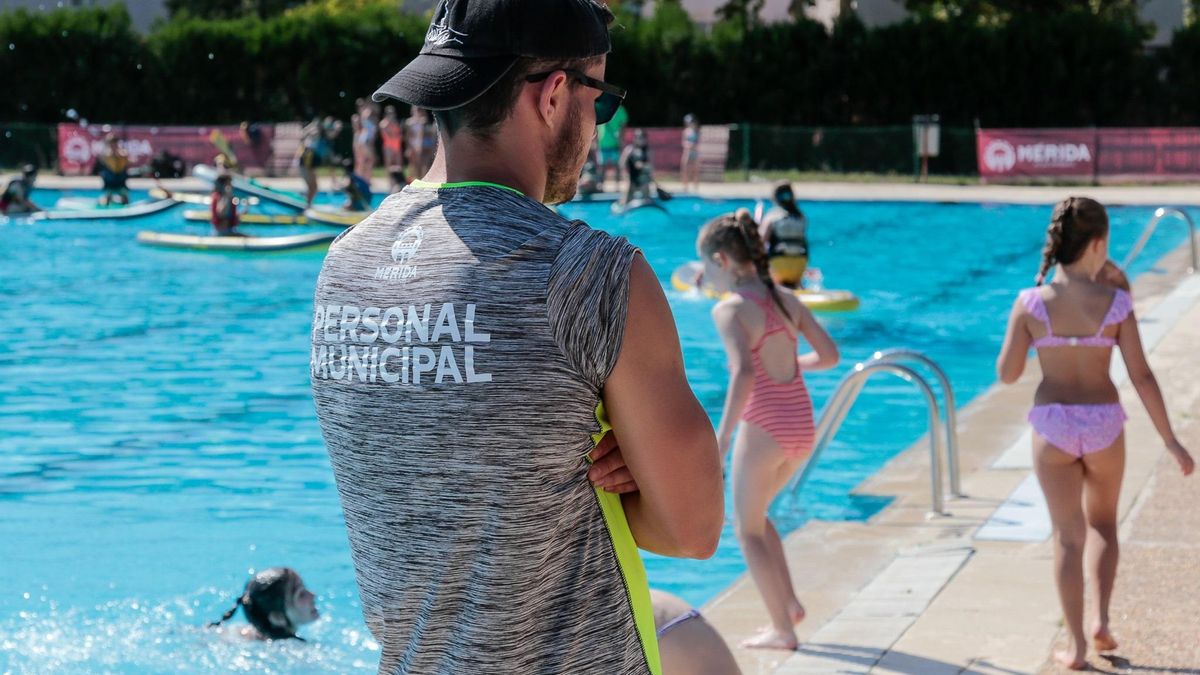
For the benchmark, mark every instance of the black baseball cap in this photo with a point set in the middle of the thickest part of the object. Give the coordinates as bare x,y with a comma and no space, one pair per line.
471,44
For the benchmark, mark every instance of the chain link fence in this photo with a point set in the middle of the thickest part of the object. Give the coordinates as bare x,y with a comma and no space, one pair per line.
879,150
22,144
751,148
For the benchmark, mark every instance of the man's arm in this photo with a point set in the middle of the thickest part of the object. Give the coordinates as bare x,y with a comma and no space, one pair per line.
665,436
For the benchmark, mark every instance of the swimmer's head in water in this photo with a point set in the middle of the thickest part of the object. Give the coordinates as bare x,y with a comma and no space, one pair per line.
731,241
276,603
1077,225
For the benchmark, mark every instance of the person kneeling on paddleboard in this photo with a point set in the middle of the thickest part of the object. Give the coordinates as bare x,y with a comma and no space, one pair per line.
785,232
113,167
15,198
357,189
225,217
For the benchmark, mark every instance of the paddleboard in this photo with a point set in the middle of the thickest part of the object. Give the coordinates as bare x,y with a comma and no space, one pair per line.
684,279
197,215
77,210
325,215
252,187
311,240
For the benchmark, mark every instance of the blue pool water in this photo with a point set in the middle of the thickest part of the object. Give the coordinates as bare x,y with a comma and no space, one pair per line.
158,439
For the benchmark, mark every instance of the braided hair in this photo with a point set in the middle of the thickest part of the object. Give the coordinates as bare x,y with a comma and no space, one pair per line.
1075,223
266,592
736,235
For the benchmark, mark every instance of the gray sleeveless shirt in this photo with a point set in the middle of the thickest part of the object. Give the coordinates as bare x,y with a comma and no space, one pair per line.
460,341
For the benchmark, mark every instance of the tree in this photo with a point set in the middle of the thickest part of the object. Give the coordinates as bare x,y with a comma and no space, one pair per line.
229,9
1004,9
796,8
741,12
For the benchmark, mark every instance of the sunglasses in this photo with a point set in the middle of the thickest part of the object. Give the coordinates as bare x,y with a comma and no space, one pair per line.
610,98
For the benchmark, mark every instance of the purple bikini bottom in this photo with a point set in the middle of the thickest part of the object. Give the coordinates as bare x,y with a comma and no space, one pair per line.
1078,430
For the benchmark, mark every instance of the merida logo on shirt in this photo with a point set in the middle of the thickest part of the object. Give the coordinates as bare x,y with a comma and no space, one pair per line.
413,344
403,251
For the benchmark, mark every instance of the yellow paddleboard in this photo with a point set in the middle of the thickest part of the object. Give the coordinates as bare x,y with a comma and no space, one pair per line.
252,218
324,215
684,279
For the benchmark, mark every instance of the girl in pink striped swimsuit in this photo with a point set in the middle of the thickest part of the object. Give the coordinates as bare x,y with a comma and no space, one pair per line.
760,327
1078,422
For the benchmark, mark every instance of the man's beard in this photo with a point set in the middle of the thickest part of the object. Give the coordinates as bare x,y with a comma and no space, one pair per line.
564,159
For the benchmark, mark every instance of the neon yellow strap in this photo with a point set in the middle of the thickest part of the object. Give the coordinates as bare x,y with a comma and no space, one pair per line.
629,559
462,184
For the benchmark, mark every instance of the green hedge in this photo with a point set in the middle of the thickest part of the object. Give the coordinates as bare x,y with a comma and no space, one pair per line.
758,147
1067,69
197,71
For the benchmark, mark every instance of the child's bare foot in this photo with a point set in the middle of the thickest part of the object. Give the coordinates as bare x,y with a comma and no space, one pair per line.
1182,456
1071,659
1103,640
769,638
797,613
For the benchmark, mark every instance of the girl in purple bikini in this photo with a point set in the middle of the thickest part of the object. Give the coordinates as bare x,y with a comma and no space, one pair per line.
1078,422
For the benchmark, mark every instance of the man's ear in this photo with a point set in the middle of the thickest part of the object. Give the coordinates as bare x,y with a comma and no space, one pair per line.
552,97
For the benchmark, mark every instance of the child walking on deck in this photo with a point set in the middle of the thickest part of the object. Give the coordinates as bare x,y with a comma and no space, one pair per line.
1078,422
760,326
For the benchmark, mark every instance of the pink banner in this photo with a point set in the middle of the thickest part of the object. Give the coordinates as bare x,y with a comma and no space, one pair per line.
1113,153
1154,152
1009,153
78,146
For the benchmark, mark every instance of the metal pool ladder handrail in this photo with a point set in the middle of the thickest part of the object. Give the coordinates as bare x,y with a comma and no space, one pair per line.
1159,214
951,424
847,392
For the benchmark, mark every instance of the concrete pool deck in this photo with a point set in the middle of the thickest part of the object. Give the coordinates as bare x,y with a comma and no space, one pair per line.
907,593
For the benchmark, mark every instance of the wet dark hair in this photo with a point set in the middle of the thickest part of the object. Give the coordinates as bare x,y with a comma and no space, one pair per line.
483,116
1075,223
736,235
785,197
266,592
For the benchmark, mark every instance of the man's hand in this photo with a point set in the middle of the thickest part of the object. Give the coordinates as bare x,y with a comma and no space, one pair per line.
608,471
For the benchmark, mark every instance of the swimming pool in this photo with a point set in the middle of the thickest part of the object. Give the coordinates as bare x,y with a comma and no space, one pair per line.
158,439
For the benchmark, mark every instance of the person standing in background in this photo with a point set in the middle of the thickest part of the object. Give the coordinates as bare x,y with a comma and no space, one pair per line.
419,142
608,145
391,131
689,163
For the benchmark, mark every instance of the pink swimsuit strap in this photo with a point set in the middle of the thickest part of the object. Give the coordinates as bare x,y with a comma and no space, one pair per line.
774,323
1121,306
